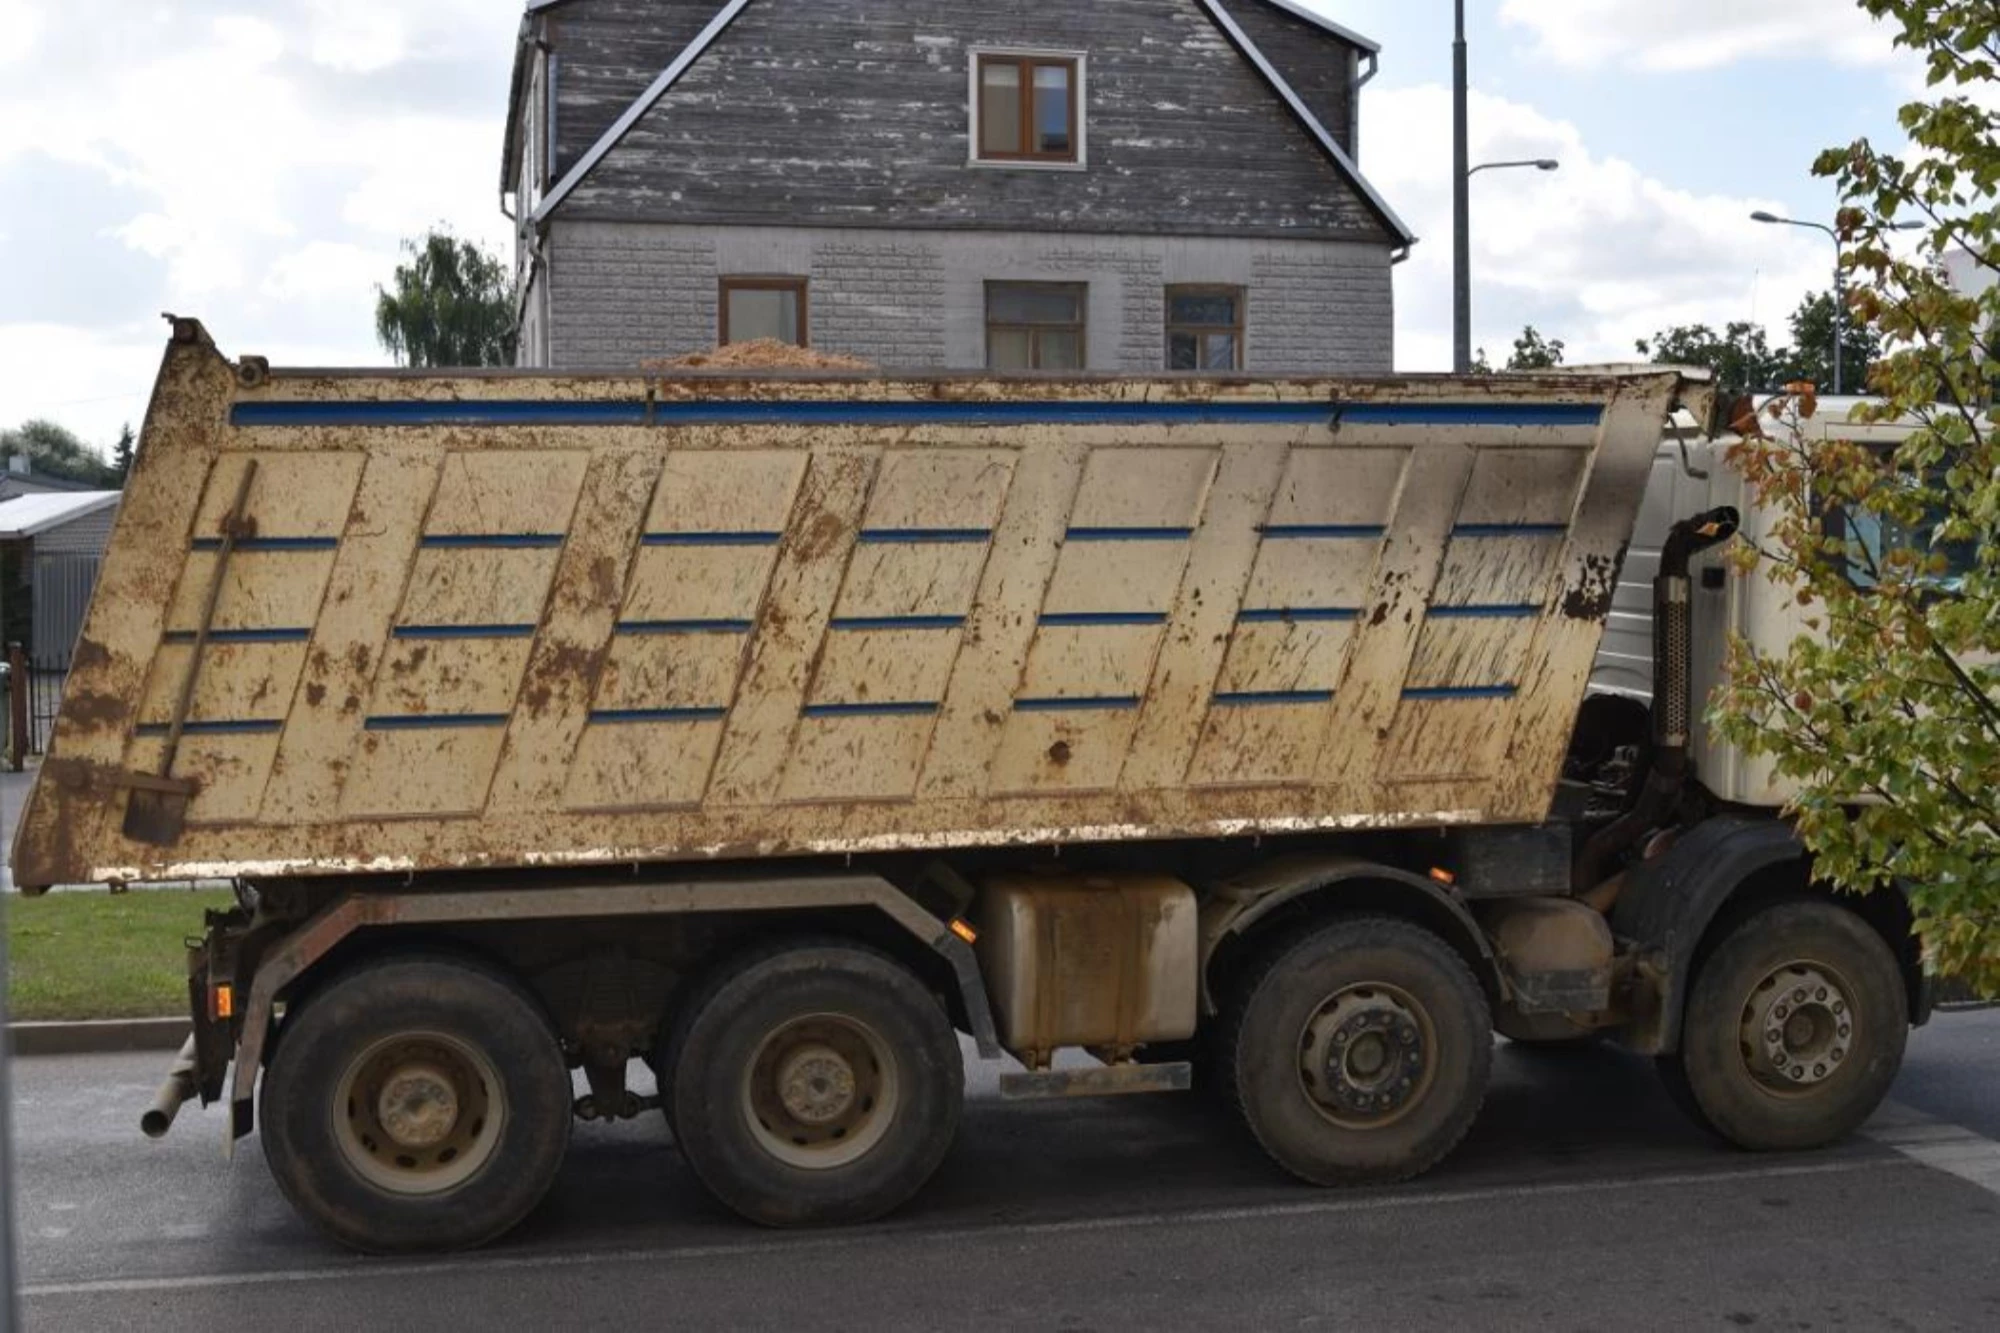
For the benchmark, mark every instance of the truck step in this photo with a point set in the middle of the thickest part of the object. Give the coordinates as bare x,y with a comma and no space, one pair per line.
1102,1081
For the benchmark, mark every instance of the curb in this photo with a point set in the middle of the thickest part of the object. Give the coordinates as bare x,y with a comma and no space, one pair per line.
99,1037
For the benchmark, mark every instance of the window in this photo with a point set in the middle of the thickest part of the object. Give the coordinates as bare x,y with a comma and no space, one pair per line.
1034,325
1204,328
774,308
1027,109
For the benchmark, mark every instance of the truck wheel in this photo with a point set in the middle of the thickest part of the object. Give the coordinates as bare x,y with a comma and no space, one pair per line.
815,1084
418,1103
1795,1029
1360,1054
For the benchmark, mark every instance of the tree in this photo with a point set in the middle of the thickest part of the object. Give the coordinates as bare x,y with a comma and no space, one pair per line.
121,453
1812,346
1534,352
1741,356
56,450
453,305
1888,713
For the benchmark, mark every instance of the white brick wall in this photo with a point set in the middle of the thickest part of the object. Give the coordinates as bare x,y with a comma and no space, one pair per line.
621,292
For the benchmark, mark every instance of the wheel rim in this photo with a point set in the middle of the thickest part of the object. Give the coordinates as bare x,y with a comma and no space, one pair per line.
1367,1056
419,1113
821,1091
1798,1027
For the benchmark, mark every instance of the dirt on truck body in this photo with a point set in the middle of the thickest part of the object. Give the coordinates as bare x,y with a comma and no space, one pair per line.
775,729
535,622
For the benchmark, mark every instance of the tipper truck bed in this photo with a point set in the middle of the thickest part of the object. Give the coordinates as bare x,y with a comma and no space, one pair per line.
769,728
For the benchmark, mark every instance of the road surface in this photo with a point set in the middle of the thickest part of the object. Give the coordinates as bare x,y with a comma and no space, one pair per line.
1579,1201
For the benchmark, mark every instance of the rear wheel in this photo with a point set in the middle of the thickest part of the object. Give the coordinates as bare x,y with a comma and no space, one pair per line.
1360,1054
1794,1031
815,1084
418,1103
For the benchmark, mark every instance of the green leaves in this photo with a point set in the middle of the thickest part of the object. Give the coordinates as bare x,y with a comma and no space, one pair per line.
1889,713
453,306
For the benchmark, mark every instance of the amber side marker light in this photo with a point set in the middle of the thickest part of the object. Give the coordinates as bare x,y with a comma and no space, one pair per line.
222,1000
965,932
1443,876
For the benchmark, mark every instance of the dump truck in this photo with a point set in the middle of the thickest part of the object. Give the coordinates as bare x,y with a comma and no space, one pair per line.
795,733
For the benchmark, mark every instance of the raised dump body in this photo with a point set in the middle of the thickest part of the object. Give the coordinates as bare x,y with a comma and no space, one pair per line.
440,622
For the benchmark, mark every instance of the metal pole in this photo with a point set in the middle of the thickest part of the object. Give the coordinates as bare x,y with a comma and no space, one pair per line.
1461,184
18,685
10,1314
1839,317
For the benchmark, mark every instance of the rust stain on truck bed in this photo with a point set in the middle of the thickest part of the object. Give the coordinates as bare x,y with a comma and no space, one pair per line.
519,620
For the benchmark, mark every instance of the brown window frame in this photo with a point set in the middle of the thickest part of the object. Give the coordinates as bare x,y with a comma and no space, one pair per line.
1034,331
1027,65
802,286
1242,298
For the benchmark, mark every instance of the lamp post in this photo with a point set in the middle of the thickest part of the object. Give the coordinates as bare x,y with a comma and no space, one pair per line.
1462,172
1462,276
1839,283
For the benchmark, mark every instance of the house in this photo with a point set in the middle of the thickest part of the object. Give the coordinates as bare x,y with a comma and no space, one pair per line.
50,546
20,478
1124,185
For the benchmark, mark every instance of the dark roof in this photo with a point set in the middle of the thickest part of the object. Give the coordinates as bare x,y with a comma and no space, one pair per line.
1215,9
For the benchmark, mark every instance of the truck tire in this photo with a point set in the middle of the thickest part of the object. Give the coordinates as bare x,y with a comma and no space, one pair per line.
419,1102
1360,1054
813,1084
1795,1029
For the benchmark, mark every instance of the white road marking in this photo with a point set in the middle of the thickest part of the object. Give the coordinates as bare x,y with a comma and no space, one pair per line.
1318,1207
1938,1144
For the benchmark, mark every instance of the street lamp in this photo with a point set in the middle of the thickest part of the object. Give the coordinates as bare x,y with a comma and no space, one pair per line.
1462,172
1462,274
1839,281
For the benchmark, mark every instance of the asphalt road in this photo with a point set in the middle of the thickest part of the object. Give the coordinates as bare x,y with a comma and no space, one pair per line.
1579,1201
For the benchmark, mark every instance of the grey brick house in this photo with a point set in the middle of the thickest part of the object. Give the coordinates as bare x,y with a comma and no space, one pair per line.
1119,185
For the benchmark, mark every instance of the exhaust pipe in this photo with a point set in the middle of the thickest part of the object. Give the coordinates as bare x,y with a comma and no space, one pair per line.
174,1092
1673,695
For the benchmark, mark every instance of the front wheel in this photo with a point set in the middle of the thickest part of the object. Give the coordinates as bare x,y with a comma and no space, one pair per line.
418,1103
813,1084
1794,1031
1360,1055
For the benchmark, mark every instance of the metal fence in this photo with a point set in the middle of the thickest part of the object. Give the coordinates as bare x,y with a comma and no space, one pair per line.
59,588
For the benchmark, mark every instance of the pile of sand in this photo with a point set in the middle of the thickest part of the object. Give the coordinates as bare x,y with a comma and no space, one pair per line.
763,354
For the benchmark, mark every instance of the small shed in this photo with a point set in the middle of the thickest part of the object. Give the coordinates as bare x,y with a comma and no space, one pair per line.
50,545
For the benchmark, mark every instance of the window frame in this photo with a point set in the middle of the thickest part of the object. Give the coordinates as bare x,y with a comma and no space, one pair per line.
1240,295
1034,331
1026,58
761,282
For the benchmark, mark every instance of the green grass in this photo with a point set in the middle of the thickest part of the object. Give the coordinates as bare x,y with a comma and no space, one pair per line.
102,955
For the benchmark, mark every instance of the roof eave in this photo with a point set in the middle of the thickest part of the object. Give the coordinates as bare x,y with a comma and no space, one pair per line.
1398,230
1327,25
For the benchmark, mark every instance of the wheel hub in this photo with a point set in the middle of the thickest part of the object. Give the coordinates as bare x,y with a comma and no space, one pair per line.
419,1113
816,1084
1367,1056
418,1107
821,1091
1798,1027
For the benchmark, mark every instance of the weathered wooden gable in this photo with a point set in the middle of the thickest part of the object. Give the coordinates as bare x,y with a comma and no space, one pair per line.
855,112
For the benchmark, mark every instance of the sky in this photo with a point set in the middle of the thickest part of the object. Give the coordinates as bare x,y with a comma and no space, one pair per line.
257,162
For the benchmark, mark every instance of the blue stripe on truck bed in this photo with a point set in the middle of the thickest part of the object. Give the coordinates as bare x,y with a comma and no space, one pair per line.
522,412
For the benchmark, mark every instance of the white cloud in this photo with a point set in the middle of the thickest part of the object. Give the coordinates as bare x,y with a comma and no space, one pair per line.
1598,254
1701,34
20,25
267,160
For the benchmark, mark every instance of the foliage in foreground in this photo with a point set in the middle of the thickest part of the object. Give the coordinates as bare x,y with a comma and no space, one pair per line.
1889,712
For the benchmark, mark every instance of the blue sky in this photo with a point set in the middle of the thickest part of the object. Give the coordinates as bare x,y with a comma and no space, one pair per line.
1674,120
256,162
